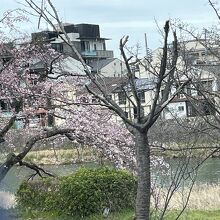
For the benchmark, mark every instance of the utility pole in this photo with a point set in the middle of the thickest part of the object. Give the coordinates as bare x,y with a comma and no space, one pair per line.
146,46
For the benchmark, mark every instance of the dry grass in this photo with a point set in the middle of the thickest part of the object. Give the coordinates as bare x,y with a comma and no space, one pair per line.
203,197
61,156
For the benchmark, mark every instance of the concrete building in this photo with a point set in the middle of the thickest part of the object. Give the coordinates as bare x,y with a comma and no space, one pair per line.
85,37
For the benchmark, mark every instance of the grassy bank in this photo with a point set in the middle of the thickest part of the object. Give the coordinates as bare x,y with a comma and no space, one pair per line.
204,204
203,197
123,215
129,215
67,156
86,154
62,156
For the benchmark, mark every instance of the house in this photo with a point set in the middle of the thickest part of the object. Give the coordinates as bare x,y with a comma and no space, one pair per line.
191,101
124,97
110,67
202,68
119,90
85,37
200,52
188,103
67,72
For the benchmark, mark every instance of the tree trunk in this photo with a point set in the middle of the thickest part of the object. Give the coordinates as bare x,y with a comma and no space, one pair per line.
143,174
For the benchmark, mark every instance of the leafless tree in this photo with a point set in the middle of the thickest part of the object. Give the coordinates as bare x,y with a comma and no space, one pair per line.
140,126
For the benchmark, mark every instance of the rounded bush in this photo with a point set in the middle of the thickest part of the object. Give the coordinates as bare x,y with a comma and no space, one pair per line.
39,195
86,192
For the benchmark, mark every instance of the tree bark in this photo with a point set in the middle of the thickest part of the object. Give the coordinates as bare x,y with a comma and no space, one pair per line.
144,176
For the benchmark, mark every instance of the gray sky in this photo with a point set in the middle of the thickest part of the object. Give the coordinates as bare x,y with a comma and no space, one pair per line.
129,17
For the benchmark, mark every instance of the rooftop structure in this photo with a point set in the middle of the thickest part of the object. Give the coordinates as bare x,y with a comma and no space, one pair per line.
85,37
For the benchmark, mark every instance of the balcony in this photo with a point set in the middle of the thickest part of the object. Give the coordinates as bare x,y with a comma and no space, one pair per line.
97,54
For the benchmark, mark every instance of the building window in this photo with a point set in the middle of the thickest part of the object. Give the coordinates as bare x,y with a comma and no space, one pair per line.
104,47
180,108
33,79
95,48
141,96
87,47
58,47
126,114
136,113
199,108
4,106
189,90
121,98
203,87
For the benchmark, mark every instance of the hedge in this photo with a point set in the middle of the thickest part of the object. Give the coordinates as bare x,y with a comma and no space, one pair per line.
88,191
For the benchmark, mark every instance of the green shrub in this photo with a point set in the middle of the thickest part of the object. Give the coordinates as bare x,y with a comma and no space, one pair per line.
86,192
39,195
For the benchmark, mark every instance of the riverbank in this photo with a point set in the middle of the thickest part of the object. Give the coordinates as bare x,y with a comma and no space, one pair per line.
129,215
204,204
204,201
86,154
62,156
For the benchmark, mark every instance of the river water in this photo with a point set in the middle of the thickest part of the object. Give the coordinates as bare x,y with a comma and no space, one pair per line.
209,173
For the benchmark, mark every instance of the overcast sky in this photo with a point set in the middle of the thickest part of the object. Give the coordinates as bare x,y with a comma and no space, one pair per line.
129,17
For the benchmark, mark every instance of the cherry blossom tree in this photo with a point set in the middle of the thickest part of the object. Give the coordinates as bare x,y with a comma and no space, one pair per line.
26,88
87,124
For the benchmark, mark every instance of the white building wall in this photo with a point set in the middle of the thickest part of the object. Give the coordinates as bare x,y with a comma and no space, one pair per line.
175,110
116,68
128,107
72,36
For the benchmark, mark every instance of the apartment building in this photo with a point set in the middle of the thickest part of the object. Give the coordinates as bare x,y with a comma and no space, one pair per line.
85,37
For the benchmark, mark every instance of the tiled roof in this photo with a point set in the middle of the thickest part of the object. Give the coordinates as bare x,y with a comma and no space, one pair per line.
109,84
141,84
114,84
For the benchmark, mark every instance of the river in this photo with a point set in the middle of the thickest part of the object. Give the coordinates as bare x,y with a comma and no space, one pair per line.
209,173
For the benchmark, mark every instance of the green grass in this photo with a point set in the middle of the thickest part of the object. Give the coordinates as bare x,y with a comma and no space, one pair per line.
124,215
127,215
195,215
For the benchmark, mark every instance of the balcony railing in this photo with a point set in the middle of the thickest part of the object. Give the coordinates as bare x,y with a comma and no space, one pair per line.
98,53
